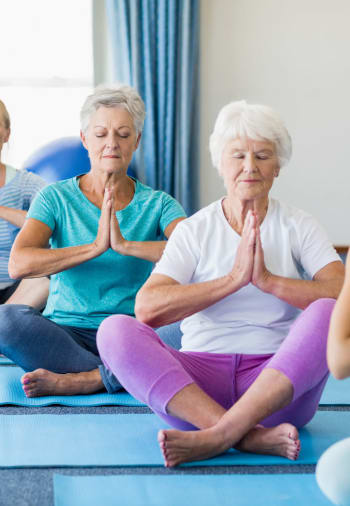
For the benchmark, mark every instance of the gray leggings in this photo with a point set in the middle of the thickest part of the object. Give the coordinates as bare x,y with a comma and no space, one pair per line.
32,341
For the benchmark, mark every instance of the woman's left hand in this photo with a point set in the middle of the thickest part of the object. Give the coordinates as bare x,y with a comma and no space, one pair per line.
261,276
117,240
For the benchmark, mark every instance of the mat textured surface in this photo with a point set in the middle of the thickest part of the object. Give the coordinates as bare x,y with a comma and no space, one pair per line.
336,392
223,490
131,440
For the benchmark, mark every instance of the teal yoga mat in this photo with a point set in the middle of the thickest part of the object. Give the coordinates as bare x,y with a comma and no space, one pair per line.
189,490
131,440
336,392
5,360
11,393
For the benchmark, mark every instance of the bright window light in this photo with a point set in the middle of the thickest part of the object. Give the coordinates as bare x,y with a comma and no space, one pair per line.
46,70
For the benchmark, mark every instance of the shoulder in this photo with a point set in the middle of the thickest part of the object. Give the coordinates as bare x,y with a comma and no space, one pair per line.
200,222
58,193
290,215
31,180
156,202
146,193
60,187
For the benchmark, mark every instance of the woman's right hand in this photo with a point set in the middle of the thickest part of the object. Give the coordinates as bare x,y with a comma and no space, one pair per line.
242,270
103,241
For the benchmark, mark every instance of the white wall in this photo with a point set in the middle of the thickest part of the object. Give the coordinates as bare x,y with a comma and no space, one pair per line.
103,64
294,56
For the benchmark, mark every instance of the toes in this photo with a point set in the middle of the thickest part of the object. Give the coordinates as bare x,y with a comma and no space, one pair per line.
162,436
26,378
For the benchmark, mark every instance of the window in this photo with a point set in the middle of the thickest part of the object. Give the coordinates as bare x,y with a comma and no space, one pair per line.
46,71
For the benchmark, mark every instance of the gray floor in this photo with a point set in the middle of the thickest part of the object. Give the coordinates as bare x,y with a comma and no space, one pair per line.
33,487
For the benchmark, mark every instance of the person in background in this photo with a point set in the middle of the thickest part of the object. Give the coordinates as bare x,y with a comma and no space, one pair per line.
17,191
333,468
252,365
105,230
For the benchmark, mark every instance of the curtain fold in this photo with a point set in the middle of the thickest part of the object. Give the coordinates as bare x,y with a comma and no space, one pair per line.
155,46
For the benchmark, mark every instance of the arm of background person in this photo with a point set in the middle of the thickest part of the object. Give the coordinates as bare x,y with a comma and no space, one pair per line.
14,216
338,350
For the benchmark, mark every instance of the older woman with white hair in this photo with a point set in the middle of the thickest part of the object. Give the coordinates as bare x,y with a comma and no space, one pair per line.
253,360
104,229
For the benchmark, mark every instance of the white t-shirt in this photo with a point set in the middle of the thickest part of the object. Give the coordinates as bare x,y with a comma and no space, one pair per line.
203,248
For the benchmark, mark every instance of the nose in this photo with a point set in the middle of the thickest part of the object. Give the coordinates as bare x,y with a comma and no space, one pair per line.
112,141
249,163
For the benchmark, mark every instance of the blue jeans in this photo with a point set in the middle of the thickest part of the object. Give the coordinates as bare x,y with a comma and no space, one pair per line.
32,341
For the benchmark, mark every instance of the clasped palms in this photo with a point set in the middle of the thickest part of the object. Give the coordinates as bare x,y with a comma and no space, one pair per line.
109,234
249,266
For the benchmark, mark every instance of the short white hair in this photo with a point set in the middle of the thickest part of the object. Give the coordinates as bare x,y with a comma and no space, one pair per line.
119,95
257,122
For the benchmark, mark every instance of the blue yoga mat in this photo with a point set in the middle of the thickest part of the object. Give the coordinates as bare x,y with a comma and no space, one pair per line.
11,392
336,392
131,440
189,490
5,360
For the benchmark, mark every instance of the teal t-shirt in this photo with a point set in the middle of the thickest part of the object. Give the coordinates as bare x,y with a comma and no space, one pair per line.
85,295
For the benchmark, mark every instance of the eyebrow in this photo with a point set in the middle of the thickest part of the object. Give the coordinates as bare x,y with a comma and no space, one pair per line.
103,126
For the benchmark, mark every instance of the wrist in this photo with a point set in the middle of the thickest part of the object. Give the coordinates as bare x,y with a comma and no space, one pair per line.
122,247
95,250
235,281
267,282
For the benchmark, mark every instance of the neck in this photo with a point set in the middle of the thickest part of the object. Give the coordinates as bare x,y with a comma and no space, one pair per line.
93,185
236,210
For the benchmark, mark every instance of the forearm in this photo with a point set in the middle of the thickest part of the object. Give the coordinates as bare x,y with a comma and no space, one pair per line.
15,216
33,262
338,346
166,303
147,250
300,293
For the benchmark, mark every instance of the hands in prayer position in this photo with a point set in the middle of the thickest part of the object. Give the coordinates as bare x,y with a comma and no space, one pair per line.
249,266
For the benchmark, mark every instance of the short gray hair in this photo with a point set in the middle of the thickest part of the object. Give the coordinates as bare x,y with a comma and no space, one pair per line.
257,122
119,95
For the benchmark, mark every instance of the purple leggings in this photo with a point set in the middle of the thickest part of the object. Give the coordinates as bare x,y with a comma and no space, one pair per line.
153,372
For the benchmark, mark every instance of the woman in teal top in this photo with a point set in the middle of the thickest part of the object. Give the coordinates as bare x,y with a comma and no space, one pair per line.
104,229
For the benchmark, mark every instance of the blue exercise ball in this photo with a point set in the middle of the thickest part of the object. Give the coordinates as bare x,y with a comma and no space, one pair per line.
59,159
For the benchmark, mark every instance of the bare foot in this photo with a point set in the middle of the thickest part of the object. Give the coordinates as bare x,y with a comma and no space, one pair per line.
282,440
186,446
42,382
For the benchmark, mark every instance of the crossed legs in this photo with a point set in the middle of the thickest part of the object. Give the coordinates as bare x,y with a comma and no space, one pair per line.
179,387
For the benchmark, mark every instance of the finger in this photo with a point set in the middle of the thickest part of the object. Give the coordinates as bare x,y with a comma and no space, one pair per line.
248,224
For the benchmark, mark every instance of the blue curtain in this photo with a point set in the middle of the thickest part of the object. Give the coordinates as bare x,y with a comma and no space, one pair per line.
155,49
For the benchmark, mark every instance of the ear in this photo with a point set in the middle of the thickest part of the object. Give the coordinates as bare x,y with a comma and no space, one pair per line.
277,172
7,136
83,140
137,141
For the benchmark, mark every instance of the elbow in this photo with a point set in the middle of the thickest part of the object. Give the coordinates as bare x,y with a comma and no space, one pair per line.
340,371
14,272
339,367
17,270
144,311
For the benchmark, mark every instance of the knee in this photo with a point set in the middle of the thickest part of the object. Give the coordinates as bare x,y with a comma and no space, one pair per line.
322,307
332,472
10,323
120,335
